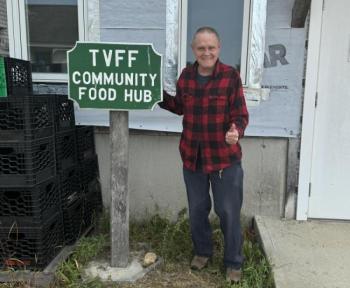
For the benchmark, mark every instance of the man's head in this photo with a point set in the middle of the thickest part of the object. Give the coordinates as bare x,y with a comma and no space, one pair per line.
206,49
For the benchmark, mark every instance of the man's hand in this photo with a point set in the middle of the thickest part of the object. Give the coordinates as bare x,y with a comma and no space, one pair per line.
231,136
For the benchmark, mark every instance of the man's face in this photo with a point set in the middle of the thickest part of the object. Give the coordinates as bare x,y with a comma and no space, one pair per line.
206,50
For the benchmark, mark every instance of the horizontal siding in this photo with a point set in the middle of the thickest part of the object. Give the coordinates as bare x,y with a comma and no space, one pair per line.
3,16
3,29
155,37
133,13
134,21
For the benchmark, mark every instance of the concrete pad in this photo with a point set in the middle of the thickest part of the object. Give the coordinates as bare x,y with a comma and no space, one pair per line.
310,254
131,273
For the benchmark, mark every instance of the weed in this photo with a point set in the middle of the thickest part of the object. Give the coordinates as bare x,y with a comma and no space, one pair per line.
172,241
69,272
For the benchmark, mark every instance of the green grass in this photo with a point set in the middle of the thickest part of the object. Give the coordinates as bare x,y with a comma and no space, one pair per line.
172,242
69,272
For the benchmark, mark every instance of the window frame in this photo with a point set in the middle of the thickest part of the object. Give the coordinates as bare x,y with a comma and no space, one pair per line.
253,43
18,46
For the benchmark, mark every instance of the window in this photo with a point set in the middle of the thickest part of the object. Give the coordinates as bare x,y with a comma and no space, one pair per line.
47,29
241,25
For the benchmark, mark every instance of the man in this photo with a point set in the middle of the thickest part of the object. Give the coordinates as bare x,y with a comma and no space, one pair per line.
210,97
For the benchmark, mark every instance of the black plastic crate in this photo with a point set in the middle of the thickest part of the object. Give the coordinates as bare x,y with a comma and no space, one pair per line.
26,118
18,76
92,204
31,247
85,142
29,206
66,149
94,194
64,113
27,163
73,221
88,171
70,188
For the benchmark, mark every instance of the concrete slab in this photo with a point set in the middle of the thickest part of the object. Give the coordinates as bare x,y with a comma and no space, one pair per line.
311,254
131,273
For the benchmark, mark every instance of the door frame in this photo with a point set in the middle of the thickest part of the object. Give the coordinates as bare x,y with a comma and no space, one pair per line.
307,135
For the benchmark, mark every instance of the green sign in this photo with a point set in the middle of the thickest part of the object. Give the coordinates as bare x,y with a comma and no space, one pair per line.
3,86
115,76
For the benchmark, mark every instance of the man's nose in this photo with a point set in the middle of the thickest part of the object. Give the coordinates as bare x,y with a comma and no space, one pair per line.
206,51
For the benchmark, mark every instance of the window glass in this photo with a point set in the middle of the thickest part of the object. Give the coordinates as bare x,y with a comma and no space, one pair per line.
226,16
52,30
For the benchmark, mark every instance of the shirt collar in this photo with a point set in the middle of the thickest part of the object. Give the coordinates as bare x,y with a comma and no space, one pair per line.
215,71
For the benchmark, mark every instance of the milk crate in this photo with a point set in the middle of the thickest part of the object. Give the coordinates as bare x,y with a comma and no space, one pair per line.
27,163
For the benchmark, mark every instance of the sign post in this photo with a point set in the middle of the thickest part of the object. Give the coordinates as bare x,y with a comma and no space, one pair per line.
122,77
119,139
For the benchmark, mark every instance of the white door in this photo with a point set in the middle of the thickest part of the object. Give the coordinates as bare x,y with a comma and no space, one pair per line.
330,170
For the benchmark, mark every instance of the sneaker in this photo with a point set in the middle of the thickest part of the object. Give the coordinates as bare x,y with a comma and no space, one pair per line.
233,275
199,262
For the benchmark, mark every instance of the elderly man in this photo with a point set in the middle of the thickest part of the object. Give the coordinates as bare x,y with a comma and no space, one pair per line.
210,97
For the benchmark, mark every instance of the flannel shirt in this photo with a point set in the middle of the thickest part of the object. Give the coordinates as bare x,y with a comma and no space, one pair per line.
208,111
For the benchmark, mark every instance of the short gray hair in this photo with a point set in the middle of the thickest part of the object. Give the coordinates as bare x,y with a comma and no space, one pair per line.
207,29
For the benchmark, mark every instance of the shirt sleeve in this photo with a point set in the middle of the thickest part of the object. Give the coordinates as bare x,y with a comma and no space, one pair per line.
238,109
171,103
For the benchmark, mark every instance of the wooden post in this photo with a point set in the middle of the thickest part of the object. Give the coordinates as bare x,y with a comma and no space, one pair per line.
119,139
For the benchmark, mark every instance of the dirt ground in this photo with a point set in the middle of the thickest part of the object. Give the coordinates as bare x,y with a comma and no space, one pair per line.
178,276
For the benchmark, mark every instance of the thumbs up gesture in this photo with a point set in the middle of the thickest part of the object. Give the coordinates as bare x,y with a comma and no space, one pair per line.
232,135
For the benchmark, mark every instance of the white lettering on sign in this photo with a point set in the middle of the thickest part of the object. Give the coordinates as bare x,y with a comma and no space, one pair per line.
74,75
104,78
133,95
108,79
153,77
81,92
94,52
103,94
118,57
86,78
131,58
108,55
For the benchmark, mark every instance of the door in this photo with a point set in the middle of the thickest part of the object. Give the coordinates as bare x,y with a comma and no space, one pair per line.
330,167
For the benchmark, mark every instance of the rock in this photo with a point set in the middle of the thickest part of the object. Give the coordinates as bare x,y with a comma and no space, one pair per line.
149,259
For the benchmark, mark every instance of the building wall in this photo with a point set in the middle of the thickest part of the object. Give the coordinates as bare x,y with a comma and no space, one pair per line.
155,167
4,45
134,21
155,173
156,183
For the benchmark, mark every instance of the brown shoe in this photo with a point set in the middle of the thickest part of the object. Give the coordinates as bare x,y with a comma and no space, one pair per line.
233,275
199,262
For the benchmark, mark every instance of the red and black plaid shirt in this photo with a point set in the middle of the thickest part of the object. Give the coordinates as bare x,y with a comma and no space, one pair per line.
208,111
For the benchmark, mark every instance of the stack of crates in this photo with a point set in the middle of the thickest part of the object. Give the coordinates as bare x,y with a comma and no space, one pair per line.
31,226
49,188
81,199
77,168
67,167
88,173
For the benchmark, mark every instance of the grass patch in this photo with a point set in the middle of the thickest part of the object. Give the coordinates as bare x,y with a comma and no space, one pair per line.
69,272
171,241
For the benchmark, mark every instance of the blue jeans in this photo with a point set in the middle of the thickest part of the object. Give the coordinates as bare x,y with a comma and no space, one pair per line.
227,189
